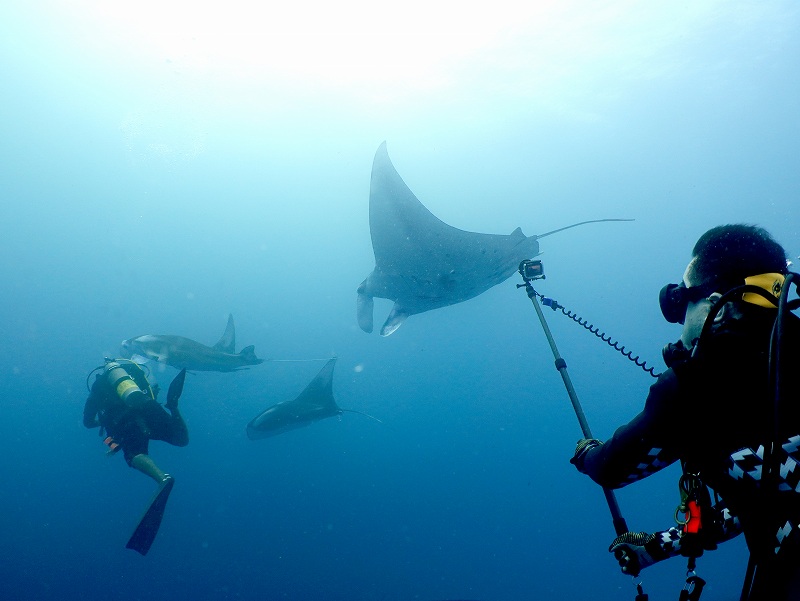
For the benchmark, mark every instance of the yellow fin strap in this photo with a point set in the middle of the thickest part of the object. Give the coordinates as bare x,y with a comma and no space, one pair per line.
771,282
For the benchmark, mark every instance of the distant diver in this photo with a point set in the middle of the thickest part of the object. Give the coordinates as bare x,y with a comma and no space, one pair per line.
727,408
123,404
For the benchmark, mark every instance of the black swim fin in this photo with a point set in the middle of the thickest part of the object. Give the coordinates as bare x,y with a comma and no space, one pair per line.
145,533
175,390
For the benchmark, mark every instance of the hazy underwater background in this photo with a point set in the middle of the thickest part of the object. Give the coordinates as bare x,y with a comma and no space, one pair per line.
165,163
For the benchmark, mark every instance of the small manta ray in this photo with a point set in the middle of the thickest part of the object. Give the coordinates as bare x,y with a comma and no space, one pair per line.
421,263
316,402
183,353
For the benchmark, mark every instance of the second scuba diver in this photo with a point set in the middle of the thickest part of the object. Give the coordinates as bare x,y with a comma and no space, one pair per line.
123,404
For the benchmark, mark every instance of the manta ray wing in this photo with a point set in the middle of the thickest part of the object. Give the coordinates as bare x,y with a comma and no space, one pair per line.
227,344
421,262
408,239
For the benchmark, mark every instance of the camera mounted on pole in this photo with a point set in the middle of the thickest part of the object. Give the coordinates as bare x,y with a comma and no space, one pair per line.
531,270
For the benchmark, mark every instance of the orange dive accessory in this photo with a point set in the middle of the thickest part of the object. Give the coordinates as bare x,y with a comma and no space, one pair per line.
113,445
696,507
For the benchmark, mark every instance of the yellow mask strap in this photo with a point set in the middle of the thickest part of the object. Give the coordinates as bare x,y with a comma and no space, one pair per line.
771,282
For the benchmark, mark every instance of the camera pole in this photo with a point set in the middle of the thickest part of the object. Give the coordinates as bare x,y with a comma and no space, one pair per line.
620,527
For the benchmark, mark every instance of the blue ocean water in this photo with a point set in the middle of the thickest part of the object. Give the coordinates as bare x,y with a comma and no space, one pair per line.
163,165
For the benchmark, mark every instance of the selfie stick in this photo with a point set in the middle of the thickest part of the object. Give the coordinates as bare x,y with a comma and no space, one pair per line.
538,273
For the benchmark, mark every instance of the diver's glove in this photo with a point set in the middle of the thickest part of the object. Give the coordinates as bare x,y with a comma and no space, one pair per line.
581,450
637,550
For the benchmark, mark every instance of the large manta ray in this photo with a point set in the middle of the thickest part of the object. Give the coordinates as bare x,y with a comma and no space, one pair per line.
421,263
316,402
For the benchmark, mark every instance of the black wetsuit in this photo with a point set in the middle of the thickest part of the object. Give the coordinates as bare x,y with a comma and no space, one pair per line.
714,412
132,428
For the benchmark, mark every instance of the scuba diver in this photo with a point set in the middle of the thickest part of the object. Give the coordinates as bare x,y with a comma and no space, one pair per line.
722,409
123,404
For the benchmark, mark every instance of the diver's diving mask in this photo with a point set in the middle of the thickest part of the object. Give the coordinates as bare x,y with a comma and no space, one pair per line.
675,298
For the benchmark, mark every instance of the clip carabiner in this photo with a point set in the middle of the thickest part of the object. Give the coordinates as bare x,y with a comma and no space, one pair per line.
693,588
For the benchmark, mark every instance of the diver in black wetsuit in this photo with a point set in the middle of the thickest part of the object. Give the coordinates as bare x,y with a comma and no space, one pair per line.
123,403
714,410
132,422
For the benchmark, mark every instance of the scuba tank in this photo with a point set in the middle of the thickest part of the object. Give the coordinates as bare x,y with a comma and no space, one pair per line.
123,384
123,387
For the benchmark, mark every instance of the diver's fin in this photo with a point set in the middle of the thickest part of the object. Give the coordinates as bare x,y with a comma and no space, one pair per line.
175,390
145,533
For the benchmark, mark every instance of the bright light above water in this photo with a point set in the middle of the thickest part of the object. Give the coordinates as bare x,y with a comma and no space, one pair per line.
380,48
414,43
169,69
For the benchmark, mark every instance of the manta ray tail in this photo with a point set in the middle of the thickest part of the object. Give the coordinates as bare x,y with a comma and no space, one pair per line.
297,360
561,229
364,414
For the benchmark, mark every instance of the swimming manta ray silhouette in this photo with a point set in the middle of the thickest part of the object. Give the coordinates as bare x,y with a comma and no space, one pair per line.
422,263
316,402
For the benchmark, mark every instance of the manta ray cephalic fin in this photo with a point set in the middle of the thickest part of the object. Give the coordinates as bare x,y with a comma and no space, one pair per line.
365,306
396,318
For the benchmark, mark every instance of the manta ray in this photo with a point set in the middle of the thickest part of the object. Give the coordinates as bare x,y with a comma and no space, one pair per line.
184,353
316,402
422,263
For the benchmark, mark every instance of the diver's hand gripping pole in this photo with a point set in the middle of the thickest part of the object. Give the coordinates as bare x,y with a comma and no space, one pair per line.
620,527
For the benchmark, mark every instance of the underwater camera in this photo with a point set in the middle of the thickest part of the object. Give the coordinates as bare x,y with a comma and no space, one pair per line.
531,270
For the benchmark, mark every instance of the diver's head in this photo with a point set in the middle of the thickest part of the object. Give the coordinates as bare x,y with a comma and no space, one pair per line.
727,254
721,259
